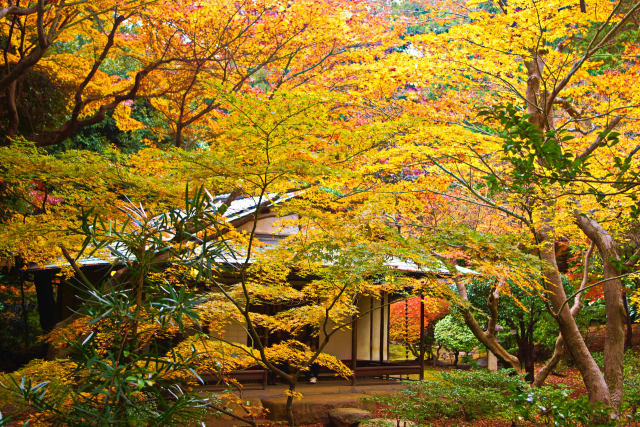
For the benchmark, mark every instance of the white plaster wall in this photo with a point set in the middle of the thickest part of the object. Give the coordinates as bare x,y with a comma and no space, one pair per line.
340,343
375,345
364,323
234,332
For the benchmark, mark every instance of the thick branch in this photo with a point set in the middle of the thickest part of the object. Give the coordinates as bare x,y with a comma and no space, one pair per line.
488,337
600,139
572,112
73,124
17,11
21,67
80,103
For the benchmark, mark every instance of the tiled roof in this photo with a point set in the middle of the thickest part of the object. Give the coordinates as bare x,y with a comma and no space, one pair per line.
245,206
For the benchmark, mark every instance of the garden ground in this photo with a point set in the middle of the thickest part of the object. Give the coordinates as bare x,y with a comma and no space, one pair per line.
318,399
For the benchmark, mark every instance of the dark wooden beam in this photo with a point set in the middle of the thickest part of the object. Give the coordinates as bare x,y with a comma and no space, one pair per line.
265,343
387,310
354,347
421,337
47,307
382,327
371,328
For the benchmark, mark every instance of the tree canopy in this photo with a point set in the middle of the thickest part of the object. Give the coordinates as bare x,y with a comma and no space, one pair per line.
446,134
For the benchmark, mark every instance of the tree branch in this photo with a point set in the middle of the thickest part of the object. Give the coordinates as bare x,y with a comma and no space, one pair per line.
600,139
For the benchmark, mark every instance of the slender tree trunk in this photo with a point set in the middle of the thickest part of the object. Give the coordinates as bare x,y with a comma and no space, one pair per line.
488,338
594,381
530,367
14,118
525,354
559,350
289,407
530,364
616,315
179,135
558,354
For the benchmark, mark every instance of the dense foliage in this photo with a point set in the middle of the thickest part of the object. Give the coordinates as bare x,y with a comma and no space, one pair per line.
471,395
453,335
461,139
404,322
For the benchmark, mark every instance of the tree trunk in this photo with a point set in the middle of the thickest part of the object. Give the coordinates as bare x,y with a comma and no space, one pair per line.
179,135
558,354
488,338
614,338
594,381
14,118
525,354
559,350
591,375
289,407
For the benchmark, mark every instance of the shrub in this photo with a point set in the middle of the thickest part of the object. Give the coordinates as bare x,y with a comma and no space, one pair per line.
553,406
454,335
117,371
493,395
460,394
631,397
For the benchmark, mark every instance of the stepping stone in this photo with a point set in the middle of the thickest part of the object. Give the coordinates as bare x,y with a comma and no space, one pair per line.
314,409
348,417
385,422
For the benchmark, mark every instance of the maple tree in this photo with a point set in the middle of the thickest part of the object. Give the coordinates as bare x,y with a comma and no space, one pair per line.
257,99
96,58
450,134
553,98
404,323
42,42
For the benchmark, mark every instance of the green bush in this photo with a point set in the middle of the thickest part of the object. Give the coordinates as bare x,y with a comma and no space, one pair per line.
454,335
117,371
631,397
553,406
470,395
460,394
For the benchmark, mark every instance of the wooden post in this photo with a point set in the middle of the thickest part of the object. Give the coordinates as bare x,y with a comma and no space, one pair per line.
354,347
406,330
382,327
387,309
46,302
421,337
265,343
370,328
